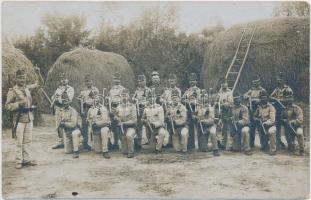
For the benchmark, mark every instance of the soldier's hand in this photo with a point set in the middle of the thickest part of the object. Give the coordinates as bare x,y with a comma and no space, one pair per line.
94,125
22,104
292,122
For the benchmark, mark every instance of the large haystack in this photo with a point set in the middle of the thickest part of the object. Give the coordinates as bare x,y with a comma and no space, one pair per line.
12,59
278,44
101,65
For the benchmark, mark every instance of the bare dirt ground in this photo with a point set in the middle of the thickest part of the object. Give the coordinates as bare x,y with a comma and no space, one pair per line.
169,175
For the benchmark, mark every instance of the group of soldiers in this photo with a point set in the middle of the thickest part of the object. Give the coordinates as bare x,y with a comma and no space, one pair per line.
115,119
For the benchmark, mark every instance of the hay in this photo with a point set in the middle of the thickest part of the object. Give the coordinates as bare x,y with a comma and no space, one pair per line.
278,44
13,59
101,65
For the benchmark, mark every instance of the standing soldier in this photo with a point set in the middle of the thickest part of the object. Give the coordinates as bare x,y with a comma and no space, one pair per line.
156,85
205,125
57,105
252,97
126,118
19,100
224,103
265,116
240,126
140,99
69,124
99,120
177,115
86,98
278,100
190,99
293,121
153,118
114,100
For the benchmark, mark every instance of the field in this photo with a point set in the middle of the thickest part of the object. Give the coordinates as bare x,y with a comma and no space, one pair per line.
168,175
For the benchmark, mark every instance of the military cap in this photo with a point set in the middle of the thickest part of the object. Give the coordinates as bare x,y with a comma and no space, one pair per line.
20,73
65,98
87,77
288,93
263,94
117,76
175,93
62,75
193,77
256,79
125,92
155,73
172,77
280,76
141,77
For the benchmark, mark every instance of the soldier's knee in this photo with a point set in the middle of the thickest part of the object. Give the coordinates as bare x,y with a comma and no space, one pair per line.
161,132
76,133
272,130
130,133
212,130
299,131
104,130
184,132
245,130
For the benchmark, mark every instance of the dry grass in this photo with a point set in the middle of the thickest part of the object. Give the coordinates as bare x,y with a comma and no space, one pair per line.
278,44
101,65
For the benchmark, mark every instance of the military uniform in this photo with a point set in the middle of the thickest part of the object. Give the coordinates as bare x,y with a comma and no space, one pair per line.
19,101
140,98
240,128
99,120
224,105
114,97
253,100
292,118
157,87
190,99
266,113
86,98
58,104
278,94
127,118
178,117
69,123
154,122
206,127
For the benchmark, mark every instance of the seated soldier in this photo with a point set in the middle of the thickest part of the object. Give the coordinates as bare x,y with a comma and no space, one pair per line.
177,115
239,125
153,118
205,125
293,121
126,117
265,116
69,123
99,120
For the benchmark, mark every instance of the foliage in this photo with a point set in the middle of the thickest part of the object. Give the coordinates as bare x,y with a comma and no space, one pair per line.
292,9
58,35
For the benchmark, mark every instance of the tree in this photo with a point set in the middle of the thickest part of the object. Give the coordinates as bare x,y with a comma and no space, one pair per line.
292,9
58,34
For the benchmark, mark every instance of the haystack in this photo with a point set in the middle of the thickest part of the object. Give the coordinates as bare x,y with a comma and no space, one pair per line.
278,44
13,59
101,65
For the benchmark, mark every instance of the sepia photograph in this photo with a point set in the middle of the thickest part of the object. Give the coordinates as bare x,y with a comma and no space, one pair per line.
155,100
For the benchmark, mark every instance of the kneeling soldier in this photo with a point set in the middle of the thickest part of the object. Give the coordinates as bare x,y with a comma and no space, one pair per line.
69,124
153,119
265,116
293,120
239,126
205,125
98,118
127,119
177,115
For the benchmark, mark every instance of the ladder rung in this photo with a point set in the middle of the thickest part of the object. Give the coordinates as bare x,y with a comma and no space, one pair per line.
233,72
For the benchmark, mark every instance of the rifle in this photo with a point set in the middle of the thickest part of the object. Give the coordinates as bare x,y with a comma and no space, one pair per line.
18,115
172,124
121,126
262,126
41,89
290,126
250,103
278,103
149,126
234,124
201,126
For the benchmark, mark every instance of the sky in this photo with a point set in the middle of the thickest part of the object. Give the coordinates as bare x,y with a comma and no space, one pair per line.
23,18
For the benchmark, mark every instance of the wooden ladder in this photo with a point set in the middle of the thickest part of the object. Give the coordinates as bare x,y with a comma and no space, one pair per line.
238,61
